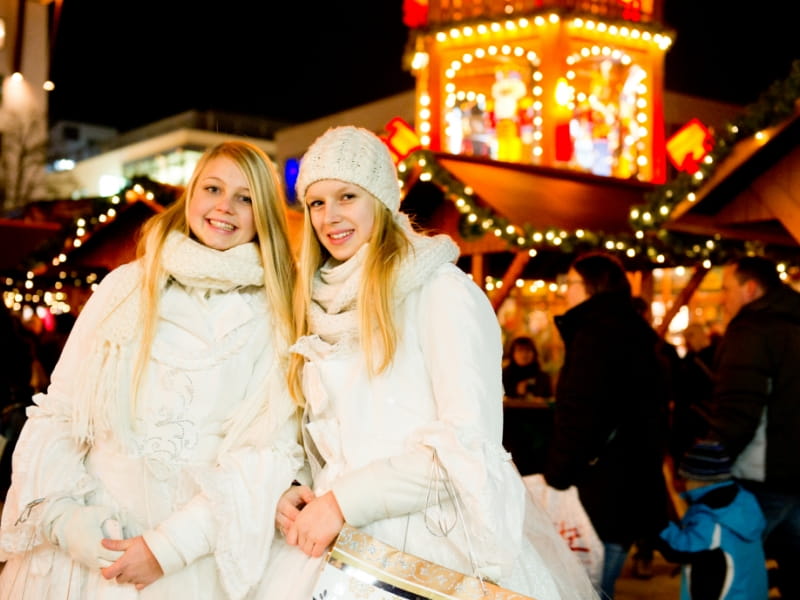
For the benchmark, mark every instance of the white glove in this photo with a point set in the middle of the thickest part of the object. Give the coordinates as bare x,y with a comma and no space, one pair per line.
78,530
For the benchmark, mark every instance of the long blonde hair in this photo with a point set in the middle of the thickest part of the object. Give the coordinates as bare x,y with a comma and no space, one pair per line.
272,238
387,246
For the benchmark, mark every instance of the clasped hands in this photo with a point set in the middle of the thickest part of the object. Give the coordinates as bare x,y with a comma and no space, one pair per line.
86,532
137,565
308,521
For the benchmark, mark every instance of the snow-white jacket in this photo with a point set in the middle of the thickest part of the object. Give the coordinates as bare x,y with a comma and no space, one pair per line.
185,472
370,440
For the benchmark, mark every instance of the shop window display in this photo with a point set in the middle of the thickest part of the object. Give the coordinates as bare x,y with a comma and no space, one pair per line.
494,109
607,127
491,105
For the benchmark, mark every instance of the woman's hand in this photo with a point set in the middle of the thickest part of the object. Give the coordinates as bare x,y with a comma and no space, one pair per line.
317,525
137,565
289,506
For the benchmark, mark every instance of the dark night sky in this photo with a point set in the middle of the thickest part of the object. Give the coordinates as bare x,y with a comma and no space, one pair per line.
160,58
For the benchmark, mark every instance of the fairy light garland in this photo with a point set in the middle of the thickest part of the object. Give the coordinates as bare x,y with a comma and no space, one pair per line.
46,272
775,105
477,219
649,244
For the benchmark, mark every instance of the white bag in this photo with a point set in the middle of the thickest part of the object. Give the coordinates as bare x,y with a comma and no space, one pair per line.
572,522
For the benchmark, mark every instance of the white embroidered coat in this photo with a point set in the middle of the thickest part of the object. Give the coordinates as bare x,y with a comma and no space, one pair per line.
372,441
208,495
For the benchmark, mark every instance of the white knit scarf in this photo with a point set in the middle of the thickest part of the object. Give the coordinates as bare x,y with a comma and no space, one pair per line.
333,316
100,384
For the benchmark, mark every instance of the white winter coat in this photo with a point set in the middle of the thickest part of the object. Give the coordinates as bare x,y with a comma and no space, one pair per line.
198,490
370,441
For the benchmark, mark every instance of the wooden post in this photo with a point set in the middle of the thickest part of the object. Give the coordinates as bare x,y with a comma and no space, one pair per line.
476,268
512,273
683,298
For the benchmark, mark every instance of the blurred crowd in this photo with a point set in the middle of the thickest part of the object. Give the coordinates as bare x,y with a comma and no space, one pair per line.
687,452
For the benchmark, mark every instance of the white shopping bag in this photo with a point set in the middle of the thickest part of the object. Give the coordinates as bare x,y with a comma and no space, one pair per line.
571,521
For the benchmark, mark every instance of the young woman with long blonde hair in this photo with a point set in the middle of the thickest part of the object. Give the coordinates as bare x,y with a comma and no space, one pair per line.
398,368
146,468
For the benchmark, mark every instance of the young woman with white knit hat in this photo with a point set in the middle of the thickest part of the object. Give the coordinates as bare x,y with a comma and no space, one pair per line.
397,365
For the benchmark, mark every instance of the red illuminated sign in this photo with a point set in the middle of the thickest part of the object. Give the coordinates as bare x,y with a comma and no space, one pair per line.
401,139
415,13
689,146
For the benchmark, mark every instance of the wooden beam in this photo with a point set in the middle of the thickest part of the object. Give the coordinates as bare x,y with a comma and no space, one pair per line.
710,226
646,285
683,298
779,190
509,279
476,266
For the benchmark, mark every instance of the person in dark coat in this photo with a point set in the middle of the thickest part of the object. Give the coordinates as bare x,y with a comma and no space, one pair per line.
611,411
755,406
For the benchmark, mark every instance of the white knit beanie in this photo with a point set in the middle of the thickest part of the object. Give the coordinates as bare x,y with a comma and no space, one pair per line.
353,155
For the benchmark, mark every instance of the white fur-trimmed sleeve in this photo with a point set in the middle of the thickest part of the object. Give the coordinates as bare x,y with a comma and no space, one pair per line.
461,340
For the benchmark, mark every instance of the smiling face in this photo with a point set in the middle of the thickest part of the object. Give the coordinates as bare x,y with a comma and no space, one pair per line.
220,210
342,214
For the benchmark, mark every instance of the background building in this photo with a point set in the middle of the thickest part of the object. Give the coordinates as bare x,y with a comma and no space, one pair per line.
101,162
24,74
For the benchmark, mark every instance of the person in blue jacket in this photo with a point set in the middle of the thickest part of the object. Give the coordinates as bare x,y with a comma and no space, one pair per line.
718,540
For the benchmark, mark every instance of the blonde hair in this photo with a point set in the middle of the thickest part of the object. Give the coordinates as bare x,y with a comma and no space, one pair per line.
272,238
387,246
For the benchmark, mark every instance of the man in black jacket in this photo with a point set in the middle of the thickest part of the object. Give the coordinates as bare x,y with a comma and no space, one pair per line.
755,406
